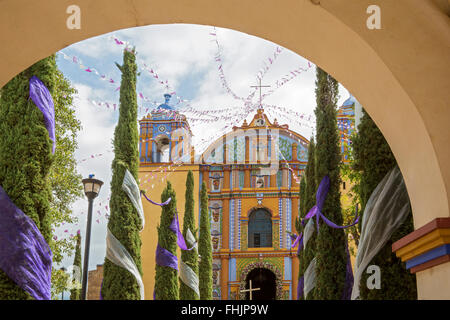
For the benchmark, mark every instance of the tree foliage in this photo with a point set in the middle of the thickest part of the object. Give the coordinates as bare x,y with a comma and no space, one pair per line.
26,155
166,278
309,199
330,243
75,293
205,248
373,160
124,222
189,257
64,178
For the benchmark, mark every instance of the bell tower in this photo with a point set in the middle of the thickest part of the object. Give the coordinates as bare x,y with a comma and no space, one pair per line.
164,136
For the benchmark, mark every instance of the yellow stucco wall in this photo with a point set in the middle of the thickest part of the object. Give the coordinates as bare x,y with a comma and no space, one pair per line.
149,235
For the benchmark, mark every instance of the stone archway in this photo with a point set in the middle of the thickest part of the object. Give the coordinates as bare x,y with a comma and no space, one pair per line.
398,73
263,265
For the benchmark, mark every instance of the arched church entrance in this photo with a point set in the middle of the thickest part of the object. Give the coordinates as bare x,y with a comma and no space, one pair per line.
261,285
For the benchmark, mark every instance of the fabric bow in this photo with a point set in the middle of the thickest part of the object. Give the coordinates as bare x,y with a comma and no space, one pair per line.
316,211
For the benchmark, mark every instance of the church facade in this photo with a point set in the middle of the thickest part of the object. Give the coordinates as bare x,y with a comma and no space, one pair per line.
252,179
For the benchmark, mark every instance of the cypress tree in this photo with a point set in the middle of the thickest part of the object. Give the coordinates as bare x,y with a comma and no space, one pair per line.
309,252
205,248
166,278
189,257
26,155
124,222
330,243
374,159
302,207
76,292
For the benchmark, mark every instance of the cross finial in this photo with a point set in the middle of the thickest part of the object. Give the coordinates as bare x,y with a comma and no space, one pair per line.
259,86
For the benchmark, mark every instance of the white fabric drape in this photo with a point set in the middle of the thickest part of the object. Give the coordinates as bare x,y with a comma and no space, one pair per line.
117,254
310,277
386,209
309,230
131,188
187,275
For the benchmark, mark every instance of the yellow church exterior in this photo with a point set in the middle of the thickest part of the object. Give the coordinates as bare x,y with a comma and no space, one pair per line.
252,178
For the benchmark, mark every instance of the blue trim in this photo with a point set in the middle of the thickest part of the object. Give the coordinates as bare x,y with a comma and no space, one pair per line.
430,255
146,151
232,269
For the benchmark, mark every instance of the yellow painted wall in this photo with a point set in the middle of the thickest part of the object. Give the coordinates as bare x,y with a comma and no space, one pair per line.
149,235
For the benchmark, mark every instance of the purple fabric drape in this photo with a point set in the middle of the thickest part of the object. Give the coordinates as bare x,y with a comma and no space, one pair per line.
316,211
44,101
175,228
24,254
347,294
101,287
165,258
156,203
298,240
301,283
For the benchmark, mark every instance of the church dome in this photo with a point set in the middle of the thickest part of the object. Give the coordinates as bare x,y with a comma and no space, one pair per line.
350,101
165,105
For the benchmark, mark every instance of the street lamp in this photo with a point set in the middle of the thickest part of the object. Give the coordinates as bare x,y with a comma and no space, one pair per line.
91,190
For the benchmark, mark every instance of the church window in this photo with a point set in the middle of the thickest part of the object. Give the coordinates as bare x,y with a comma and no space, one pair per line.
260,229
279,179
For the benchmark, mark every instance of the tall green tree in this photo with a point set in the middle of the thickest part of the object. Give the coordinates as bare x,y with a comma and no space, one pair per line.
124,222
26,155
307,254
374,159
330,243
205,248
166,278
64,178
76,291
189,257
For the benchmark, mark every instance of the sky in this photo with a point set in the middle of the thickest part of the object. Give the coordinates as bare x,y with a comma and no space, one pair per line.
184,56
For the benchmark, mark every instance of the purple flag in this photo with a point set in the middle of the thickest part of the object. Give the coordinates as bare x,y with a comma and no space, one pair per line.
175,227
165,258
24,254
43,100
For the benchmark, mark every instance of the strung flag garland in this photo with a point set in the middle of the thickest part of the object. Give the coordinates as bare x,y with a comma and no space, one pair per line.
42,98
25,256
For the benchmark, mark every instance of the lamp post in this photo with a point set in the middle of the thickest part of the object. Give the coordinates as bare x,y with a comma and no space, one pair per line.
91,190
